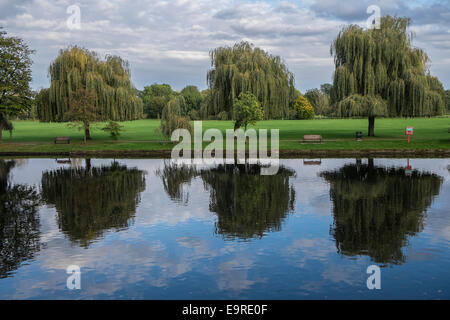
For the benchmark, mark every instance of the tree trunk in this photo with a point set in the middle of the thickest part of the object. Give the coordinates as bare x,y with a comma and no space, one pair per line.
87,133
372,126
1,132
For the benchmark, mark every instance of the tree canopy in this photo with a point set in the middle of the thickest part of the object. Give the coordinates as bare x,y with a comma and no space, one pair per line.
155,98
76,68
247,110
379,73
15,77
244,68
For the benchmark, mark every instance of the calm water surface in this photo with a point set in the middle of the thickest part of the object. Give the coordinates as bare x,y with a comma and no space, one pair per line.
145,229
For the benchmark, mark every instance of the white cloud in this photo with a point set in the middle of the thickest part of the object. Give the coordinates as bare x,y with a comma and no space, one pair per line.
169,41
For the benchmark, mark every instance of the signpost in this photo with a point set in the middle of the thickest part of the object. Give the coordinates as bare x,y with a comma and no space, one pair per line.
409,133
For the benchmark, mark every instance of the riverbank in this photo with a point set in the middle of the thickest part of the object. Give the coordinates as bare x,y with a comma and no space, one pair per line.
142,139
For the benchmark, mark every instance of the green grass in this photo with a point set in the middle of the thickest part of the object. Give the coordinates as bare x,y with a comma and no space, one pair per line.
429,133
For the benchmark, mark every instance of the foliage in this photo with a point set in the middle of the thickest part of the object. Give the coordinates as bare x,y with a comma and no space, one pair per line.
114,129
155,98
82,110
247,110
77,68
15,77
319,100
303,108
447,96
244,68
171,118
382,70
192,97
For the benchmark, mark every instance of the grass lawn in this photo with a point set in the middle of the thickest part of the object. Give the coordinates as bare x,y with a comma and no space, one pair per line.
33,136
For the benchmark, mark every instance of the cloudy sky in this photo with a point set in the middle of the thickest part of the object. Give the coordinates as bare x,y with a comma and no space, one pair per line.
168,41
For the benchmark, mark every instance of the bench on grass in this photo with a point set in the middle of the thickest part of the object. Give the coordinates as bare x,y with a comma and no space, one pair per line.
62,139
312,138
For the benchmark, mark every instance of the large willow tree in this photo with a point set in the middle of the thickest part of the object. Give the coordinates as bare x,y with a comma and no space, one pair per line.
377,208
92,200
77,68
379,73
243,68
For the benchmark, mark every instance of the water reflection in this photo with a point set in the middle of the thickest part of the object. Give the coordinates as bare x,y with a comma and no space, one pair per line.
247,204
91,200
19,221
376,208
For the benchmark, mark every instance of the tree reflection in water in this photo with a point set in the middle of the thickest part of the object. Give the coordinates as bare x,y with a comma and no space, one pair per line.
247,204
377,208
19,222
92,200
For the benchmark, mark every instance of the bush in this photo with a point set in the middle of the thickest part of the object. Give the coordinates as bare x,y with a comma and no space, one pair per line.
222,116
114,129
303,108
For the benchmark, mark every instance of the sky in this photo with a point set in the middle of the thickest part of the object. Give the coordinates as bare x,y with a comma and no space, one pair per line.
169,41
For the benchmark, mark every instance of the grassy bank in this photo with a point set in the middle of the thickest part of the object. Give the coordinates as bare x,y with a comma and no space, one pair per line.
338,134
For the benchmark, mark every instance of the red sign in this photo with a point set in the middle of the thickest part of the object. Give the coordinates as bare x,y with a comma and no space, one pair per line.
409,132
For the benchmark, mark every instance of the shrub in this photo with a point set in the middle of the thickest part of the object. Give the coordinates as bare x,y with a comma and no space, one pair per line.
303,108
114,129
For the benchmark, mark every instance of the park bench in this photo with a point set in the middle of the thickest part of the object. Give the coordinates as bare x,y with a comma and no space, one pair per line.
62,139
312,138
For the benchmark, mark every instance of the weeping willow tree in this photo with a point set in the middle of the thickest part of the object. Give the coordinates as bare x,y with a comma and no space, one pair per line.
91,200
379,73
77,68
377,208
171,117
243,68
19,222
247,204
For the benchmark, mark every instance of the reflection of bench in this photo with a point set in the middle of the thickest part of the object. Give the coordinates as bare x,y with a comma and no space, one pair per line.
312,162
62,139
63,161
312,138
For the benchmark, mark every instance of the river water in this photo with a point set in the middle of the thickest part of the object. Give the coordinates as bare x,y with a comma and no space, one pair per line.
147,229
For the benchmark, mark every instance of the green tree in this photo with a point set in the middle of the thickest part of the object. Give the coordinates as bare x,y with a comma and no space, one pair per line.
193,98
77,68
319,100
155,98
82,111
379,73
247,110
15,77
244,68
303,108
447,95
171,118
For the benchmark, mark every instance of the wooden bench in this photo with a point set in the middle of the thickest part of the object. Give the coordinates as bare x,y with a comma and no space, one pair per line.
312,138
62,139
